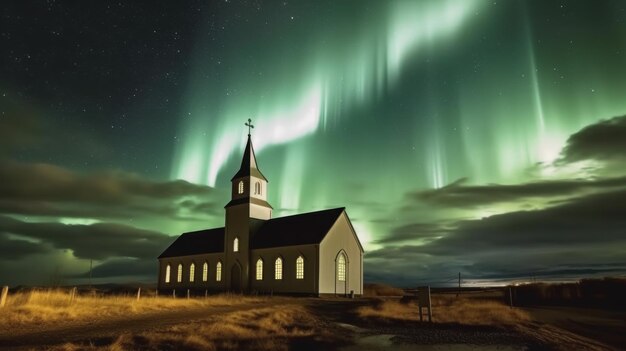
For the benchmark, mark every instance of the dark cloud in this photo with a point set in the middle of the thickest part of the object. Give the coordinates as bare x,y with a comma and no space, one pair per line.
123,268
561,270
573,222
402,252
95,241
584,235
13,248
42,181
48,190
457,194
605,140
414,231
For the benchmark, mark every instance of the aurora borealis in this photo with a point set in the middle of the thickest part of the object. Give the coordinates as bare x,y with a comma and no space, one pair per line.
480,137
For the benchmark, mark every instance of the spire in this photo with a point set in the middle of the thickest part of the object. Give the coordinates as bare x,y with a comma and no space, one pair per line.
248,163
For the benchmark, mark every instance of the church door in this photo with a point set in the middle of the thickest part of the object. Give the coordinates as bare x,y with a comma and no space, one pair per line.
341,274
235,278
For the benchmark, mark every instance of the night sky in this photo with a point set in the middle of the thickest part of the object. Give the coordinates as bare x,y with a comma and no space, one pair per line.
481,137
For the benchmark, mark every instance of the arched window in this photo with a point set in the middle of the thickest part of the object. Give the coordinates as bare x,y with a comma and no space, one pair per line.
257,188
300,267
218,272
240,187
205,272
341,267
259,269
167,273
236,245
278,269
192,272
179,274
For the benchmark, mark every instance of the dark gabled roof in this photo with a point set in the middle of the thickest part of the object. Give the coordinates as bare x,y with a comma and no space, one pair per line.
196,243
302,229
248,164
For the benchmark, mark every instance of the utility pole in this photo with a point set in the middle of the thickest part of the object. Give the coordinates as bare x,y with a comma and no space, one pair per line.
90,269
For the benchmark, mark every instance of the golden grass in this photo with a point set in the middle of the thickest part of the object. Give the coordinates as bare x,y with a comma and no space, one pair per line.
374,289
51,306
269,328
448,309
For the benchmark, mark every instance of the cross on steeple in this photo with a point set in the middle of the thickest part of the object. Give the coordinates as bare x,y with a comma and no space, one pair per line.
249,125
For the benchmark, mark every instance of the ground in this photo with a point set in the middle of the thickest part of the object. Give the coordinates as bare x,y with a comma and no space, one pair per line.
282,323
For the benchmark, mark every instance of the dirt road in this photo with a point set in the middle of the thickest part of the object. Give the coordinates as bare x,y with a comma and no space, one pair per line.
100,332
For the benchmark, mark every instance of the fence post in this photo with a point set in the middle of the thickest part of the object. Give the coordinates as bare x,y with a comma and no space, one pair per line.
187,294
430,306
174,293
206,293
510,297
138,293
72,295
3,297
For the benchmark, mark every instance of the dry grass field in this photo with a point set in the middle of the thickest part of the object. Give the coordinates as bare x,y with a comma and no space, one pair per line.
55,305
290,327
447,308
49,319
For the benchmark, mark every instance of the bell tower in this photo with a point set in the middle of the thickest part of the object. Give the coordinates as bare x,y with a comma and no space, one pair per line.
248,201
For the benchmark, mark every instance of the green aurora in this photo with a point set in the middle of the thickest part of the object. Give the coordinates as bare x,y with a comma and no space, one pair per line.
396,110
396,96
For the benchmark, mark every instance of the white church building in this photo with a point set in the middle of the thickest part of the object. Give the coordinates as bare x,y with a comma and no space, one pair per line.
315,253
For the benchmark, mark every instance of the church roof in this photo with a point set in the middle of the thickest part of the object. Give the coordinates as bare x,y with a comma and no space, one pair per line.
248,164
302,229
196,243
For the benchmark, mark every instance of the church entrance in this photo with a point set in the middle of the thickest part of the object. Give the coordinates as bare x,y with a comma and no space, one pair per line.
341,274
235,278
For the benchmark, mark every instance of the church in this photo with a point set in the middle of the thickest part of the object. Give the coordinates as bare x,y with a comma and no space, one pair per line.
315,253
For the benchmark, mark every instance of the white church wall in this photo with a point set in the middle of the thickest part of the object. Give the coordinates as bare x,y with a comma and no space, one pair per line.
260,212
288,283
340,237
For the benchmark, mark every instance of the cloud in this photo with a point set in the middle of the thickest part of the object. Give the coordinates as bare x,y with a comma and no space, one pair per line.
95,241
414,231
48,190
13,248
574,236
584,220
123,268
457,194
605,140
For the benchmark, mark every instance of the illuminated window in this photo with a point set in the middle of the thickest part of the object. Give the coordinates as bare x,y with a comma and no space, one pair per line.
278,269
259,269
341,268
205,272
218,272
179,277
236,245
240,187
257,188
192,272
167,273
300,268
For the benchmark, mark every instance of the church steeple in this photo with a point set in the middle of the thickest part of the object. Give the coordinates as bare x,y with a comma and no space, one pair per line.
249,185
248,204
248,163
